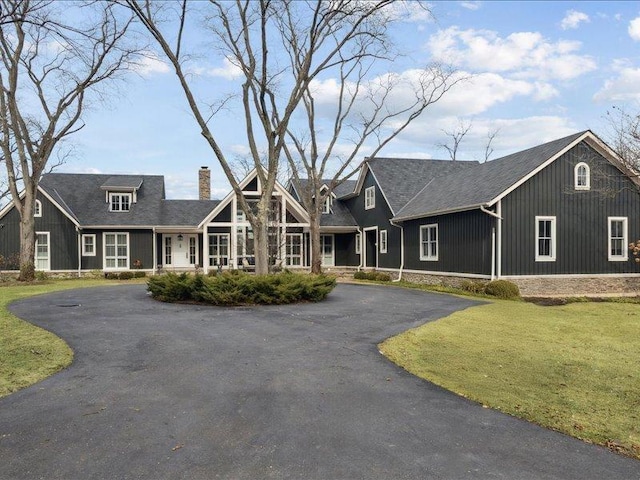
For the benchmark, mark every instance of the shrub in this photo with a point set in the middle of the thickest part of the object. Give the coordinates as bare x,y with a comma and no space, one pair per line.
112,275
139,274
375,276
125,275
502,289
473,286
238,288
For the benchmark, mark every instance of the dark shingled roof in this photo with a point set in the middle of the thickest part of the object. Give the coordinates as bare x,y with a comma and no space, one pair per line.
479,185
400,179
82,196
340,216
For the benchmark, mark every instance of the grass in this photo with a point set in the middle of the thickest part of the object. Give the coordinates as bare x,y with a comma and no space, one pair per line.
572,368
28,353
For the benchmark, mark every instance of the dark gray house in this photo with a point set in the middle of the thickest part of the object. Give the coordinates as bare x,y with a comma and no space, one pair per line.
556,216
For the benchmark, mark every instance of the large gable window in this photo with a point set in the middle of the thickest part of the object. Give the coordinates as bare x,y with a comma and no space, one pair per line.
429,242
119,202
369,198
116,251
545,239
618,239
582,176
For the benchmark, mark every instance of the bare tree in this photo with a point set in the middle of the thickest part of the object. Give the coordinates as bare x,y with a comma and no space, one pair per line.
624,135
250,35
49,68
455,138
488,148
364,111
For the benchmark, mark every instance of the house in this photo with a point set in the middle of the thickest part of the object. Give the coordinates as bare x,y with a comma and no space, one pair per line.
555,218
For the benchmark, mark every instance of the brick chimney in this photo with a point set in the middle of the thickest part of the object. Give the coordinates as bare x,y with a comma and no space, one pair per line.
204,183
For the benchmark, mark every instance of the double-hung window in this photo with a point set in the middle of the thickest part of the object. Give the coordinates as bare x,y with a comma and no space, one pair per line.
582,177
358,241
119,202
545,239
618,239
116,251
369,198
429,242
89,245
43,252
37,209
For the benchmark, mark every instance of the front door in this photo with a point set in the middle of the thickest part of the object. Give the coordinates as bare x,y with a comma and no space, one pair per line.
370,246
326,250
180,251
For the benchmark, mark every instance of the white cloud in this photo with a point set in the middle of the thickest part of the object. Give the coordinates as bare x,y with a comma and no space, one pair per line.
624,86
228,71
470,5
149,64
573,19
634,29
409,11
522,54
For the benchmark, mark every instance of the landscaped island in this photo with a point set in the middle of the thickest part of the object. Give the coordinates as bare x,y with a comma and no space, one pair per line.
239,288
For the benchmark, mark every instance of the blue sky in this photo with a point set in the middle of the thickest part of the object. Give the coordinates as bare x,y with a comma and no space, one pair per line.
538,71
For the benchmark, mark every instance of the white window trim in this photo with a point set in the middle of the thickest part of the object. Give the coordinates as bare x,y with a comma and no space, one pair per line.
118,194
546,258
326,207
333,249
84,251
429,258
383,241
48,267
210,258
575,177
37,210
104,251
369,198
288,255
625,240
358,243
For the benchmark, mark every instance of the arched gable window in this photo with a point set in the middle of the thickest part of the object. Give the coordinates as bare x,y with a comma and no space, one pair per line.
38,209
582,176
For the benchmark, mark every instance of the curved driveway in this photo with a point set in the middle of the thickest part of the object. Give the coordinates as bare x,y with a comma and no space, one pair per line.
163,391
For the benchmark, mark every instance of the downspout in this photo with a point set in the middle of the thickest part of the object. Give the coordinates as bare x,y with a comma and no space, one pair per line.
154,251
78,231
401,249
499,239
495,252
361,250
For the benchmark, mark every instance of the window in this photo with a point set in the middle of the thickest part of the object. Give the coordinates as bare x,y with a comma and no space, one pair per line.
326,250
429,242
88,245
582,176
383,241
294,250
618,240
192,250
119,202
545,239
116,251
218,249
369,198
358,243
37,210
43,260
326,208
167,251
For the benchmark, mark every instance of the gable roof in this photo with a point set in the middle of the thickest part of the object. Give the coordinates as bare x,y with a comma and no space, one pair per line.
340,215
486,183
83,197
400,179
184,212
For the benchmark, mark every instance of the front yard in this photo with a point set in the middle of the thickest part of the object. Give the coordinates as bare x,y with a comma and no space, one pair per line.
572,368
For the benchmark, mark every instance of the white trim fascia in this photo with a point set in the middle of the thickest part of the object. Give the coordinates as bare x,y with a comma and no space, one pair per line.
124,227
337,229
541,167
382,192
440,212
364,168
606,151
574,275
58,206
442,274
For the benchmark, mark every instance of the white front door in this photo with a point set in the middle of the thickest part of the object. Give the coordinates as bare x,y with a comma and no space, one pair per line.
327,251
180,251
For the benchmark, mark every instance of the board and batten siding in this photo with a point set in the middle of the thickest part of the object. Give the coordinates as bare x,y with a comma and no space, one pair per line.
63,238
581,217
464,243
377,217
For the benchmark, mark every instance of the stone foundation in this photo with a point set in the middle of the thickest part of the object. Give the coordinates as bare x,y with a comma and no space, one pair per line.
578,287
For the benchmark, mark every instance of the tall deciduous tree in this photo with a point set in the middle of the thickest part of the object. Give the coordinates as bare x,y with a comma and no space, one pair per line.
279,48
51,62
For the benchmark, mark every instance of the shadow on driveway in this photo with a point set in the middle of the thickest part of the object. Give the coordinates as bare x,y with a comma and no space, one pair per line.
164,391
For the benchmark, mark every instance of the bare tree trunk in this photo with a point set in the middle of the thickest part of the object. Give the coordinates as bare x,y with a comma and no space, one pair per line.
261,247
27,237
316,252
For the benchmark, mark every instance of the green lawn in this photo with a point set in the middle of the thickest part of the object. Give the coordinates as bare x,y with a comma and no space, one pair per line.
572,368
29,354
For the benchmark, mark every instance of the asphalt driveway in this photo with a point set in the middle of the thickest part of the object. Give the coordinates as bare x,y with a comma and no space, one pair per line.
163,391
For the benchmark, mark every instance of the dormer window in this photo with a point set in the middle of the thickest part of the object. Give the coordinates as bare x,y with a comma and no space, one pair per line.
582,174
37,211
119,202
326,207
